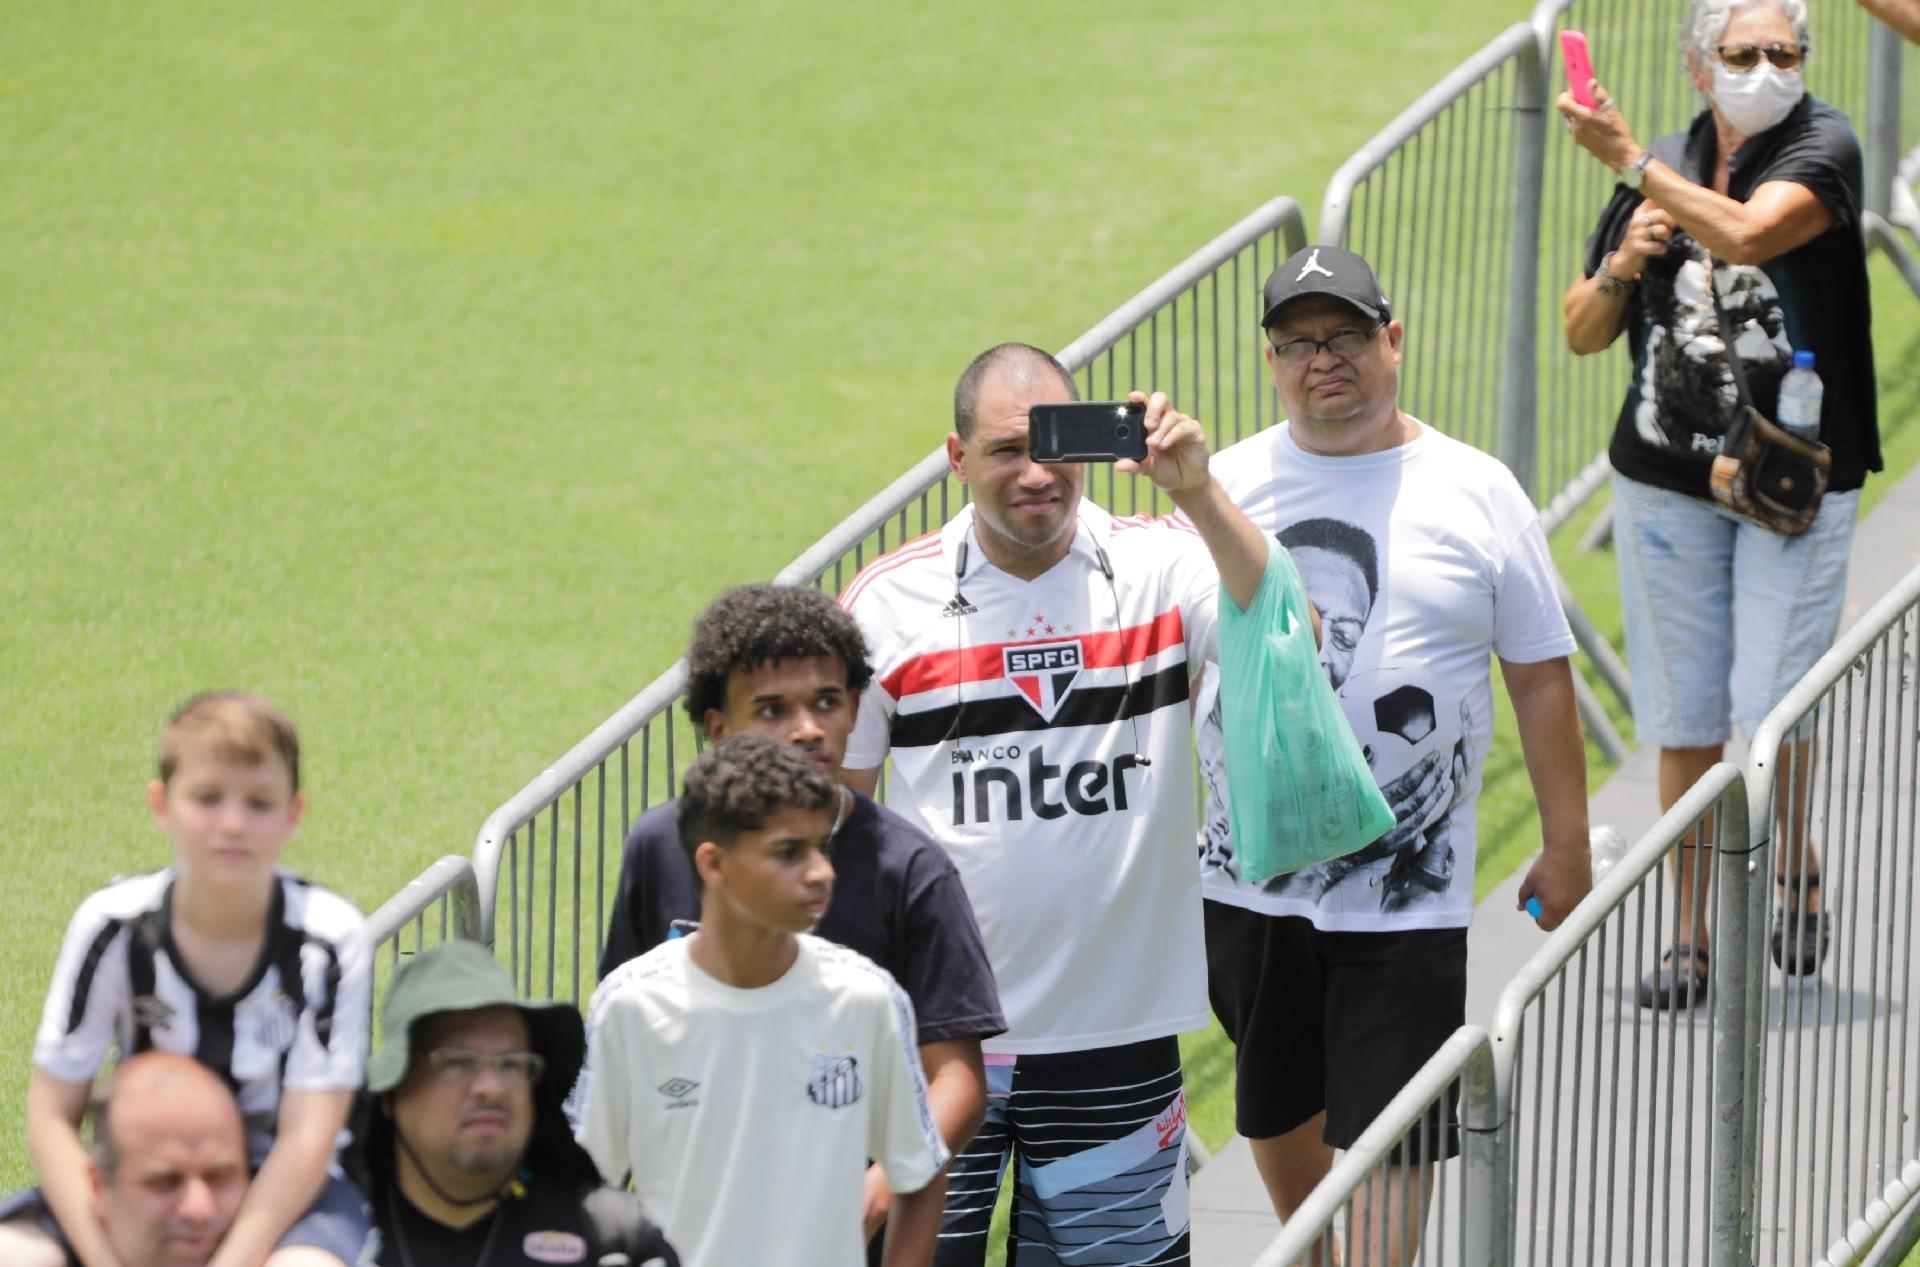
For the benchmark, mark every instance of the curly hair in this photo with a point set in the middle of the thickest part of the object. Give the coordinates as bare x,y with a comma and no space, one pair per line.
741,782
757,625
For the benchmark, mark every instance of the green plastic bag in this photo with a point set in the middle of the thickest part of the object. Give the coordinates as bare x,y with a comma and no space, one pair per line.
1298,786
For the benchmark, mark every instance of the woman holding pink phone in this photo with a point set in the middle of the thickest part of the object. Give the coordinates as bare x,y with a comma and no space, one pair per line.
1759,199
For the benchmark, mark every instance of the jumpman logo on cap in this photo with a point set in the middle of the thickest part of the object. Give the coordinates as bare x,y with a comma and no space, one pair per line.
1313,265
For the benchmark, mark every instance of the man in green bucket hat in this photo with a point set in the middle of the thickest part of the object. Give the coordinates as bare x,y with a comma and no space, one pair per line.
466,1154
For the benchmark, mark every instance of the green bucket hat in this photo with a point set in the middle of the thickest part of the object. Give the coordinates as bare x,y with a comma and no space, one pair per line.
462,976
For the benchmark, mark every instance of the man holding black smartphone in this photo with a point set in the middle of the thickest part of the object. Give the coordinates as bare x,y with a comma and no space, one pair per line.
1034,661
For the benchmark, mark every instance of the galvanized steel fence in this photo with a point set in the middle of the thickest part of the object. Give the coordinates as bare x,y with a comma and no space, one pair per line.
439,904
1619,1117
1775,1122
1835,787
547,859
1394,1195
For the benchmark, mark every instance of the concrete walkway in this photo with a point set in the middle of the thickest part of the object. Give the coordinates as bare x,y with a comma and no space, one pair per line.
1232,1220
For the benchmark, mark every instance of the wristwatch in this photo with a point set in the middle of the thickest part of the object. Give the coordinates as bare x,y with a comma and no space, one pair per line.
1636,172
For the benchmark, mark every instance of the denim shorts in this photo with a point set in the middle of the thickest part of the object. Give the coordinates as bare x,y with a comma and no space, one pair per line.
1723,617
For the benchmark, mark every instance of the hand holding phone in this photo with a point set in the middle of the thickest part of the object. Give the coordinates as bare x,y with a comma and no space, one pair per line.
1087,431
1573,52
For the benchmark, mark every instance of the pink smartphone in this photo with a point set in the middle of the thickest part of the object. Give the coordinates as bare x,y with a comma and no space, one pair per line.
1573,51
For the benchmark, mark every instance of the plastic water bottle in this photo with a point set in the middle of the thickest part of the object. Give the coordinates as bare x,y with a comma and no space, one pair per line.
1605,847
1800,394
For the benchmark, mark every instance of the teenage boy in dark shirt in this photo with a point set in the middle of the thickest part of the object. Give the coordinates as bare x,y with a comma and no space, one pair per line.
788,663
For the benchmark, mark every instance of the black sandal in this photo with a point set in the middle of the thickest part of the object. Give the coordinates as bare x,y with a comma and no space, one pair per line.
1669,988
1800,938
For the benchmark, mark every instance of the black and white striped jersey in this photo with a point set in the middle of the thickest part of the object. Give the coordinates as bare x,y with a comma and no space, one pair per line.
298,1022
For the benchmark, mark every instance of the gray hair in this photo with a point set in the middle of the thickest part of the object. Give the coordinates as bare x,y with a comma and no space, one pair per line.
1700,36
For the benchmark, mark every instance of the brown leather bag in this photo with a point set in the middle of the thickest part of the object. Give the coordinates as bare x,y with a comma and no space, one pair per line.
1764,473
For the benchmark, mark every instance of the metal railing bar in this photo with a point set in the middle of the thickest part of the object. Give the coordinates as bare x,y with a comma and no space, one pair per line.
1466,1047
1512,42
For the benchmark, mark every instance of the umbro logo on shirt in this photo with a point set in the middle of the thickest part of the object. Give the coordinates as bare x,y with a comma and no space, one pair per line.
836,1081
679,1091
959,606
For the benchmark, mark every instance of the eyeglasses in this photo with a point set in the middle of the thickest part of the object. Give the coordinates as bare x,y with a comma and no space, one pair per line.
1744,57
461,1065
1346,345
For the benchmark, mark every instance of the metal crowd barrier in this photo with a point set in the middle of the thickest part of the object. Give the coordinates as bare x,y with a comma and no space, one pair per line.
1619,1119
1837,766
443,900
439,904
1445,203
1393,1198
547,859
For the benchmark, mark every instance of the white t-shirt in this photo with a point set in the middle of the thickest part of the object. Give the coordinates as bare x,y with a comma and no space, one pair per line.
1424,560
746,1117
298,1023
1041,732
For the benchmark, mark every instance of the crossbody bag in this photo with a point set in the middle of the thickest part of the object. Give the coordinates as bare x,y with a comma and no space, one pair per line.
1764,473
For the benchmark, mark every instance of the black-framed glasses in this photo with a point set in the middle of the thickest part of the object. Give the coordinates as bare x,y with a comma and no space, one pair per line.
462,1065
1744,57
1346,345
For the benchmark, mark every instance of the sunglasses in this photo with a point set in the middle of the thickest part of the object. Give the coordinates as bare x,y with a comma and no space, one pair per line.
1744,57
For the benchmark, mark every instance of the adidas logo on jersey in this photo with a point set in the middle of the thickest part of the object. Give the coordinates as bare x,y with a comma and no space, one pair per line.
1085,787
959,606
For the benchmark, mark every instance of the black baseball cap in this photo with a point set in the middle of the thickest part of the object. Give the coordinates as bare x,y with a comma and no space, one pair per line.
1324,270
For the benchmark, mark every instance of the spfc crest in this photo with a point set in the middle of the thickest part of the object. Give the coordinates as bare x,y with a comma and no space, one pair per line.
1042,672
836,1080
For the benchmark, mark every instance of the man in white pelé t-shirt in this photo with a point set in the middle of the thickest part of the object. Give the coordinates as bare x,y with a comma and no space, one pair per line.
1426,561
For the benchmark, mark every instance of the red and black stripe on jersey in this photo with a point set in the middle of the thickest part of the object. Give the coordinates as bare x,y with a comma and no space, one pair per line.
1139,694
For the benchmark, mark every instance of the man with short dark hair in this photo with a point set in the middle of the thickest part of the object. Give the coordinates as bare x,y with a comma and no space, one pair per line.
1034,660
787,662
742,1074
1338,981
467,1152
168,1168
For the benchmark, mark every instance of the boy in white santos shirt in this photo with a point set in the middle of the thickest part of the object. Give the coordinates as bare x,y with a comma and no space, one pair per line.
742,1075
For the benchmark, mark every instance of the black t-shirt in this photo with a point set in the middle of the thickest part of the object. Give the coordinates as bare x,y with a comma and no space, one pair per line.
551,1224
1812,298
897,899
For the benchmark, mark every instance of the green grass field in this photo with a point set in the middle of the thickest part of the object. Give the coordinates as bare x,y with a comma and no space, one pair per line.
428,368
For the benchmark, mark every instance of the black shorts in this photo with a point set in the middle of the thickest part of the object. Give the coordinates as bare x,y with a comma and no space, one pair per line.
1333,1021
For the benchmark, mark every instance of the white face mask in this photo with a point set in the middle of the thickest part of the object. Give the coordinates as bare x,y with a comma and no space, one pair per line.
1757,100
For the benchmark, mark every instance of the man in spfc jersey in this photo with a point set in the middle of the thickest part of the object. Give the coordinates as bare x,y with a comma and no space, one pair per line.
1033,665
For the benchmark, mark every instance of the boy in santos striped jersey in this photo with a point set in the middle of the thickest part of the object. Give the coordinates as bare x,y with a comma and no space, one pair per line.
224,957
1033,666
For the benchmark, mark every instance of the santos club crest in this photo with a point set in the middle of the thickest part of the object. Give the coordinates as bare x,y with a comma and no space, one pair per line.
1043,672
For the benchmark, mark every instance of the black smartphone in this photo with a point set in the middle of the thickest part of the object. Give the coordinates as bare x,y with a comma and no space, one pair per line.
1087,431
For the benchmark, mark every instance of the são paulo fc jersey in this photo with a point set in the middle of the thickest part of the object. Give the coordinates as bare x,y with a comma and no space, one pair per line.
1424,560
298,1023
1040,731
